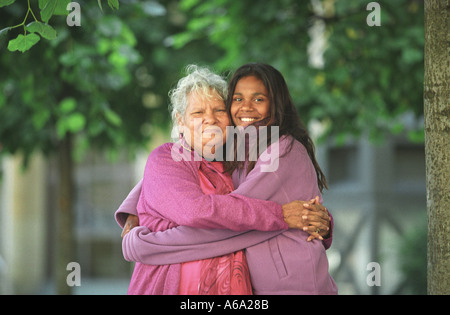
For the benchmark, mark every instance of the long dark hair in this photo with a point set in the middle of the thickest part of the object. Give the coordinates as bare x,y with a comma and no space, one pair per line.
282,111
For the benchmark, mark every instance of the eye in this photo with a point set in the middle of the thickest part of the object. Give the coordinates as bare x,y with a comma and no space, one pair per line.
237,99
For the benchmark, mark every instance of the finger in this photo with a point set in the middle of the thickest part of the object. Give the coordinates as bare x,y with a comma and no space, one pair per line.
316,220
133,225
128,227
125,230
314,208
313,236
317,215
316,229
315,200
317,208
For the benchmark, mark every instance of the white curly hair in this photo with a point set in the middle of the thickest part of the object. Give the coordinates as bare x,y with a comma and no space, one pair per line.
199,80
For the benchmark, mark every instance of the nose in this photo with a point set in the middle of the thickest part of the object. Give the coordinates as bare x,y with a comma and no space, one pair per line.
246,106
209,117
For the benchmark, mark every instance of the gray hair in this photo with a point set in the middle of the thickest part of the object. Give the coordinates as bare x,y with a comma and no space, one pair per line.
198,79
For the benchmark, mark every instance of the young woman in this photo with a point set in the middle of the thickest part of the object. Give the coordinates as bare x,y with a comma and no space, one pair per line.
258,93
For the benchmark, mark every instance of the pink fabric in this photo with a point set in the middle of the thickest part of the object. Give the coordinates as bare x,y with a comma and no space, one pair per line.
224,275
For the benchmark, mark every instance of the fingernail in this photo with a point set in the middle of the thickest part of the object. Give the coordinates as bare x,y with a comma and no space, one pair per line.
304,217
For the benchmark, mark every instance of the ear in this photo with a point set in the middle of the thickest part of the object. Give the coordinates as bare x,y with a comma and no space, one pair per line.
180,122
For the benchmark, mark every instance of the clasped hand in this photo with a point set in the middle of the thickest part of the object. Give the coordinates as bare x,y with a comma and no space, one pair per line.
309,216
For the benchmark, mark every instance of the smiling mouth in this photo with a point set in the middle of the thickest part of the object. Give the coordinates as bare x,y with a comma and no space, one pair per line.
247,119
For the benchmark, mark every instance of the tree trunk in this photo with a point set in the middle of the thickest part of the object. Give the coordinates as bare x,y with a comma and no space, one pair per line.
64,246
437,143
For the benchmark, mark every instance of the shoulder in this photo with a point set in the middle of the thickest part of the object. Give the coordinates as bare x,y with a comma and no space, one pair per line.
161,152
282,154
172,156
288,146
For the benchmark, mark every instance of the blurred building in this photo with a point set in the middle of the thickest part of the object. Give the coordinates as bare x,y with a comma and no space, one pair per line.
377,197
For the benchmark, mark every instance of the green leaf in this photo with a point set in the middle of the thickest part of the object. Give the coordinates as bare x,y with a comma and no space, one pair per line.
76,122
48,10
67,105
23,43
100,5
114,4
61,7
4,3
42,4
73,123
44,30
188,4
112,117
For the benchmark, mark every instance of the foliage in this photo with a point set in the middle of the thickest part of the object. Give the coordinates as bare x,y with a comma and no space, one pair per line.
371,76
47,9
107,80
68,85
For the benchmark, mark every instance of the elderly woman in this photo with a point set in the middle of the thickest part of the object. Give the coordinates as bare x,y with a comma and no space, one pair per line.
198,193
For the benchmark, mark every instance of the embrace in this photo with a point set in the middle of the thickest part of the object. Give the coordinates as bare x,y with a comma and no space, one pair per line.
230,213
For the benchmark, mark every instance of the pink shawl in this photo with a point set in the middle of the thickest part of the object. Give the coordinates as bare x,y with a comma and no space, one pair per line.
224,275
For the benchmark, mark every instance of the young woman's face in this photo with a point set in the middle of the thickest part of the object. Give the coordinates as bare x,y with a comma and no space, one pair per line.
204,123
250,102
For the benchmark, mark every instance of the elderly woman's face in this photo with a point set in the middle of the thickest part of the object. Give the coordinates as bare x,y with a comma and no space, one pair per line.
204,123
